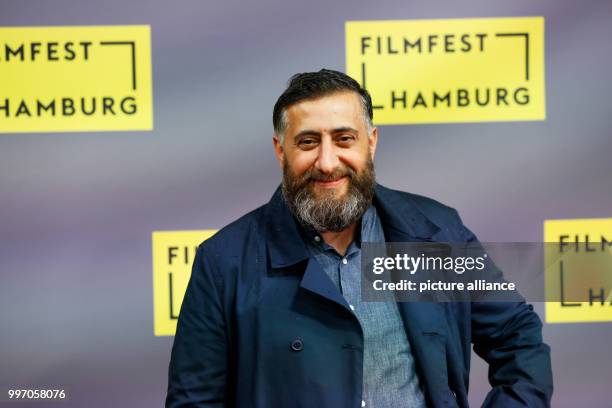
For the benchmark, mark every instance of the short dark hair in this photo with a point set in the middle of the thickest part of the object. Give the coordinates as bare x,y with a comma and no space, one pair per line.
311,85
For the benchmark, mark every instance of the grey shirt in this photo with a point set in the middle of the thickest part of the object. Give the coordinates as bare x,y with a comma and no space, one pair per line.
389,376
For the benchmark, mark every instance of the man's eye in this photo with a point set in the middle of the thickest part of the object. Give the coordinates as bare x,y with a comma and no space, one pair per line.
345,139
307,142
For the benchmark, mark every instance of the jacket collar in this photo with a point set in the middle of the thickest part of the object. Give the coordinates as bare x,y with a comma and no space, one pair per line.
285,244
401,219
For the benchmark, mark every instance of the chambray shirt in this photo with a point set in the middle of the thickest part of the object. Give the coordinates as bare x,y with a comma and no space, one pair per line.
389,376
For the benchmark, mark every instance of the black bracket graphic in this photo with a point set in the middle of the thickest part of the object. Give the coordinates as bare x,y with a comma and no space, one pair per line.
172,315
526,37
363,84
132,44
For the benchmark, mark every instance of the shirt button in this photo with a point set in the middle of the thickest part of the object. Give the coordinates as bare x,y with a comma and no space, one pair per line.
352,307
344,261
363,403
317,238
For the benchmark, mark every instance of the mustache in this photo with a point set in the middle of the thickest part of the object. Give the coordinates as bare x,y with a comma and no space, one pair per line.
317,175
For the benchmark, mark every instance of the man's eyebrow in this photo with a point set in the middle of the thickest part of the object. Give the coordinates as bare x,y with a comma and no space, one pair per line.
345,129
307,132
310,132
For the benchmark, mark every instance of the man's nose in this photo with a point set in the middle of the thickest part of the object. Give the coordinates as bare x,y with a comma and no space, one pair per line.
327,160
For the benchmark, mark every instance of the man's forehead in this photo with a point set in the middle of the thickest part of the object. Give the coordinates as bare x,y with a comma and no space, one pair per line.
336,106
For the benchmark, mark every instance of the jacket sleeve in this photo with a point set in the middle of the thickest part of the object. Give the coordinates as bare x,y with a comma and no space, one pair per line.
198,364
508,336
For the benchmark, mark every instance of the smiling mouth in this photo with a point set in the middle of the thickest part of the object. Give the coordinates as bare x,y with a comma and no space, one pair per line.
330,183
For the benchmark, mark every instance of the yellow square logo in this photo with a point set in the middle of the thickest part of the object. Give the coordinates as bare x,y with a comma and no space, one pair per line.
173,255
69,79
582,245
454,70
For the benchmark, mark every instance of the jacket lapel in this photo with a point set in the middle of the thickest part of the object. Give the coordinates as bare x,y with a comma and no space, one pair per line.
286,248
315,280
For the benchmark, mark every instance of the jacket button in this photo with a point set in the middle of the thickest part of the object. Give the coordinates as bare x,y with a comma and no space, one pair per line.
297,345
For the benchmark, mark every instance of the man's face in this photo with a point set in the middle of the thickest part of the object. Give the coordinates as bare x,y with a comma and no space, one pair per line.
326,158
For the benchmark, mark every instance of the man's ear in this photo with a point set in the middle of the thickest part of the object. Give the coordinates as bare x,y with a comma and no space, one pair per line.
372,142
278,150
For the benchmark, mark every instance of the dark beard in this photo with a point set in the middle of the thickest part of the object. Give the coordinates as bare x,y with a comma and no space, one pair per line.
328,213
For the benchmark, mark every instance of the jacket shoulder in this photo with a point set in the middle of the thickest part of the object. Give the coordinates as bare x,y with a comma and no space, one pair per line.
219,256
426,205
443,216
230,237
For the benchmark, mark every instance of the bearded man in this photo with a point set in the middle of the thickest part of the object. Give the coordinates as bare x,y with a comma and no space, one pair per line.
273,315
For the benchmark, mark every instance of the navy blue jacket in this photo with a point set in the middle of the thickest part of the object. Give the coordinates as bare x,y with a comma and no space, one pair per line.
261,326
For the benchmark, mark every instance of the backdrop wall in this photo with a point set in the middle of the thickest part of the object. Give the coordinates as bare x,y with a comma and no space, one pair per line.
77,209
